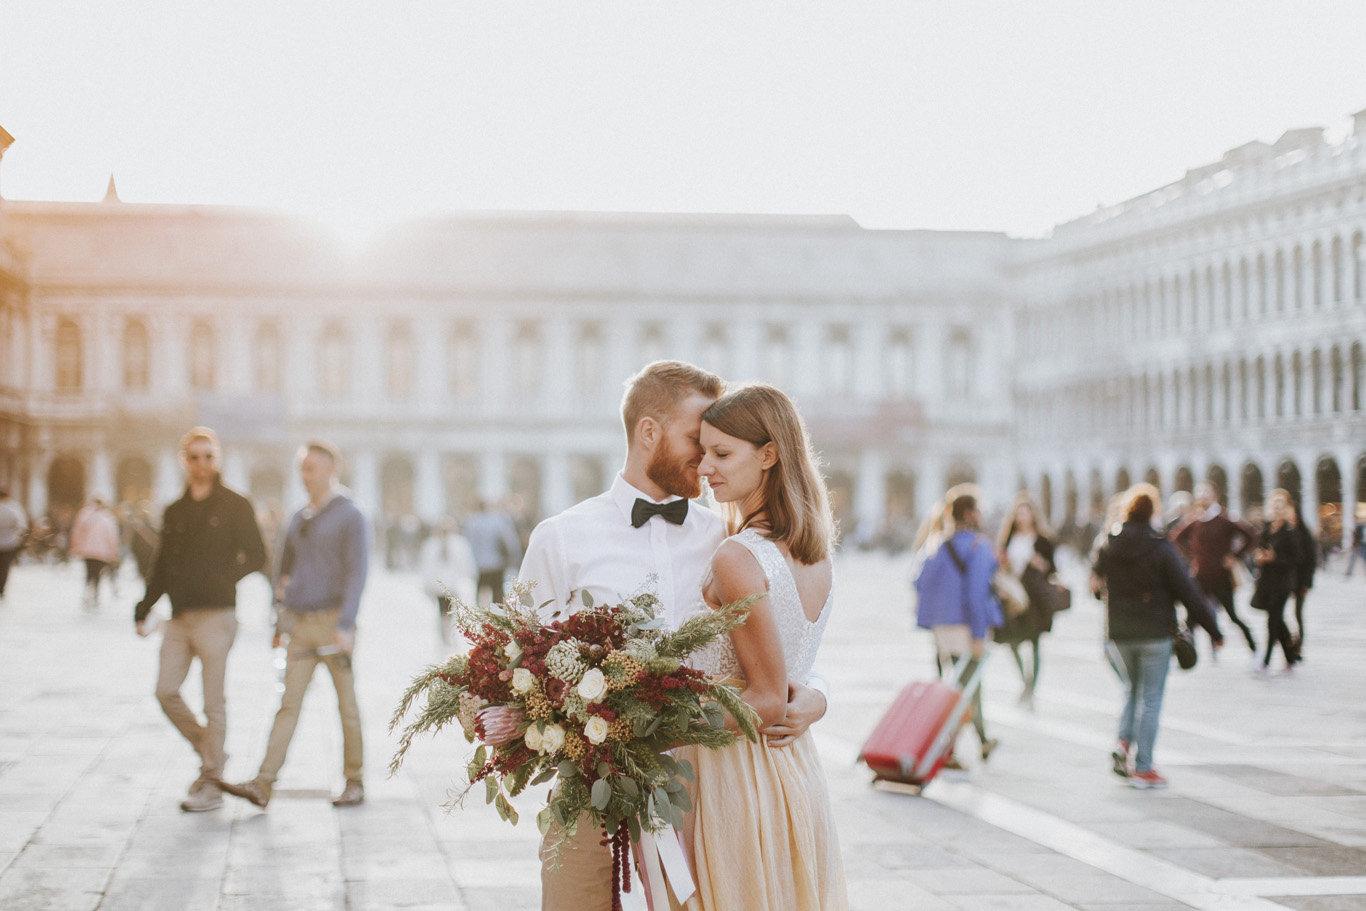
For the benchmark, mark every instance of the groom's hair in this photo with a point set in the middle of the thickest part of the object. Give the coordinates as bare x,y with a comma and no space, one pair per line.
658,388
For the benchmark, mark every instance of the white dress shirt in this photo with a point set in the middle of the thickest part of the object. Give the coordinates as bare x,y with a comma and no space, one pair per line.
592,547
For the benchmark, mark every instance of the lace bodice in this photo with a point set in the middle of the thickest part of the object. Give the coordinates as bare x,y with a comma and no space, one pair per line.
801,638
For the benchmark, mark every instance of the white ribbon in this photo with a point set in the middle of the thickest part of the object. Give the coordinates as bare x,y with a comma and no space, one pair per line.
663,864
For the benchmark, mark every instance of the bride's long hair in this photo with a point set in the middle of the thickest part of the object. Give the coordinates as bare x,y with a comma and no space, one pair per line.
795,502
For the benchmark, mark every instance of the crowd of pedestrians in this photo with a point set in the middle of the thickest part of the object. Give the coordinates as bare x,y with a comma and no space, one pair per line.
1143,564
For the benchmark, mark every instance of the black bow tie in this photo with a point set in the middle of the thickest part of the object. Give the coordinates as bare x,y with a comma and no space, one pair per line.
675,511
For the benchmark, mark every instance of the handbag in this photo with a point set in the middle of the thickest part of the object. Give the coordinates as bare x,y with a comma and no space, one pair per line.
1057,597
1010,591
1183,647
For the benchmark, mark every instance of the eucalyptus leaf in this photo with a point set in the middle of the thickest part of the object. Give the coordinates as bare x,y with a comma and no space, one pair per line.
604,769
602,794
628,788
490,789
507,810
546,775
587,597
525,598
685,769
544,820
681,799
568,768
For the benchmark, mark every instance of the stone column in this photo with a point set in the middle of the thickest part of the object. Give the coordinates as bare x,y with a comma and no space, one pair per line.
557,489
493,479
234,470
429,492
102,476
870,490
365,483
39,463
168,480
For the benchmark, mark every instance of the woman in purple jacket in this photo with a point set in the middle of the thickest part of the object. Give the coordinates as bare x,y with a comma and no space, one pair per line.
954,595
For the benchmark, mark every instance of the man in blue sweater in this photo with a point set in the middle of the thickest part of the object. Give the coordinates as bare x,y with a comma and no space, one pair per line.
320,577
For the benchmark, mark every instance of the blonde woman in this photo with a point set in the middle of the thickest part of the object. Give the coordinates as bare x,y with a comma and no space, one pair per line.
1025,546
762,834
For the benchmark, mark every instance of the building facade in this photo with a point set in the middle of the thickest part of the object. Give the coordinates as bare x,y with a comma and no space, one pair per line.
482,357
1210,329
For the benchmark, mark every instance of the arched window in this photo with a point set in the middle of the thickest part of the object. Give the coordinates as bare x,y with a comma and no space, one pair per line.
1339,285
202,366
69,360
589,358
268,366
1316,275
334,364
776,355
1358,267
899,372
1335,380
1279,370
1358,377
960,364
1278,282
398,357
136,356
463,363
1315,382
652,343
715,350
1297,384
526,361
839,363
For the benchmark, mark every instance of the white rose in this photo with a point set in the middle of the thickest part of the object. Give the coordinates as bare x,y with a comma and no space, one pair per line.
552,739
593,686
522,680
534,739
512,650
595,731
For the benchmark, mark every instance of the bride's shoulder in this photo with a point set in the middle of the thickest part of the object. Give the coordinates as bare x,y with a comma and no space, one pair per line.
735,563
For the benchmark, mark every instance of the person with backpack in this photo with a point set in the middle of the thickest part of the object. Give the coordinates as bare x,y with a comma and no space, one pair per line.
955,599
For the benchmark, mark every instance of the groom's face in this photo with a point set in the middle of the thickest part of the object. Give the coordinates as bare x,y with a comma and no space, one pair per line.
673,464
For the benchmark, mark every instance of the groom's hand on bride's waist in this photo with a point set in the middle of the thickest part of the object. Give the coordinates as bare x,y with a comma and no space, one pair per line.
805,706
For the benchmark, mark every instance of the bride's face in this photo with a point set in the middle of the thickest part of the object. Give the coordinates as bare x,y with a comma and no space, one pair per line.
734,468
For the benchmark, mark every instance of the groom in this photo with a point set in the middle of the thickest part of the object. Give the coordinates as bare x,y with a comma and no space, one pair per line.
641,533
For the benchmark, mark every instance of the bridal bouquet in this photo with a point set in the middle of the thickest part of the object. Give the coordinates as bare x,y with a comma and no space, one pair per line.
598,698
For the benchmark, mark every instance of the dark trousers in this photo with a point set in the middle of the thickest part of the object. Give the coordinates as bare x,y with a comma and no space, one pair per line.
1276,630
6,559
1221,590
1300,595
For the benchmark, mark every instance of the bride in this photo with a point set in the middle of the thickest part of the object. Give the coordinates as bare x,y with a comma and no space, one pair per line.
761,834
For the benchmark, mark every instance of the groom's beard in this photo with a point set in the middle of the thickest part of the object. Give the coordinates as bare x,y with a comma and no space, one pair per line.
674,473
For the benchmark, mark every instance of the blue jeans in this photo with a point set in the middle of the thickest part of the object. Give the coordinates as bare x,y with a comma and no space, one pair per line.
1145,662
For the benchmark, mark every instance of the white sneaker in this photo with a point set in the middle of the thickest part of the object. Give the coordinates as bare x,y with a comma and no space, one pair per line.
204,795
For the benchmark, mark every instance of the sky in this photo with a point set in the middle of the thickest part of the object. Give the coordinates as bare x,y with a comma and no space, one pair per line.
1007,116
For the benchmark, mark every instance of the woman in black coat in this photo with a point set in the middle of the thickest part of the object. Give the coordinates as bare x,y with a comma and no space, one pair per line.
1142,578
1277,560
1025,548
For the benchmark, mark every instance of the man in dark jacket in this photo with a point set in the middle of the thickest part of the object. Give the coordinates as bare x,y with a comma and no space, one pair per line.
1143,578
209,540
1214,539
1306,562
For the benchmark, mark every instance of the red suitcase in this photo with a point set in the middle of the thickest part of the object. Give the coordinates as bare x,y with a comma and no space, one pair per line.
915,736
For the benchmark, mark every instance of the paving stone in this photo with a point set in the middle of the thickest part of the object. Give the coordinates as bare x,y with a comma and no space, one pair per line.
132,893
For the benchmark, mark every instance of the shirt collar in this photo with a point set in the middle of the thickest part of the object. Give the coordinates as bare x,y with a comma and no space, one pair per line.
624,495
1214,510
